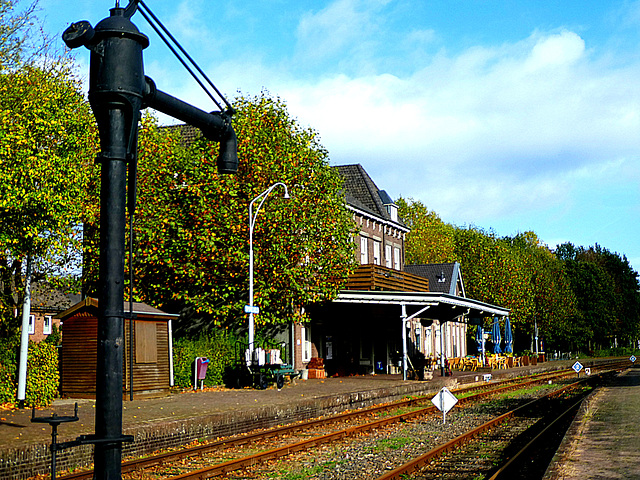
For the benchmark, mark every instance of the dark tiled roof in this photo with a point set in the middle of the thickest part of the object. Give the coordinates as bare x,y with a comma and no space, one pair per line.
188,133
44,298
362,193
442,276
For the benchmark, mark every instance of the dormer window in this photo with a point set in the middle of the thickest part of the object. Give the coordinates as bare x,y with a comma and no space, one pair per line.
392,208
441,278
393,211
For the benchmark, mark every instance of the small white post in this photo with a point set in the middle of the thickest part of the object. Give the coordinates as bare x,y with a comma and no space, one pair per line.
24,337
404,342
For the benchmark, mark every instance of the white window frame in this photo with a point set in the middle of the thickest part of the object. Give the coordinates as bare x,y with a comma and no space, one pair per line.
376,253
388,256
32,324
47,326
396,258
364,250
305,337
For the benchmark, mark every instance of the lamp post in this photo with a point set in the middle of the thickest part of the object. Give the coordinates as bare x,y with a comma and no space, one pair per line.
252,222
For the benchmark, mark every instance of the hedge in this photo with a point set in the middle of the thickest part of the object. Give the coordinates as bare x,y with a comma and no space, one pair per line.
218,346
43,378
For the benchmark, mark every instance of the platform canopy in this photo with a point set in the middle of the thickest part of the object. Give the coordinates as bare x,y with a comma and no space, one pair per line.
434,305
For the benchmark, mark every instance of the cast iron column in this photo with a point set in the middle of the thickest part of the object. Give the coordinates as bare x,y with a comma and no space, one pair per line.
116,88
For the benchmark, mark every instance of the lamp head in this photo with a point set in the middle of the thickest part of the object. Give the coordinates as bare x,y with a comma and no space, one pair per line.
227,161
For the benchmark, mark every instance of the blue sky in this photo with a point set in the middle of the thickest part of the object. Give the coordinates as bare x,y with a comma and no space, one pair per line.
511,116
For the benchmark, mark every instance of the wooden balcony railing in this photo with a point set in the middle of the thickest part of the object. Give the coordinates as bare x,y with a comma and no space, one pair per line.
377,277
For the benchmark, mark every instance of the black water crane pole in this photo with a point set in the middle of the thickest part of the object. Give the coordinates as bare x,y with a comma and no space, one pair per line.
118,90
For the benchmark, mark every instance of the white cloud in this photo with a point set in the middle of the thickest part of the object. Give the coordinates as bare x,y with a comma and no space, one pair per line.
561,49
487,133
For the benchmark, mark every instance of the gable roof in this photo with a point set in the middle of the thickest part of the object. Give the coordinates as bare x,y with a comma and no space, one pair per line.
141,311
443,277
363,194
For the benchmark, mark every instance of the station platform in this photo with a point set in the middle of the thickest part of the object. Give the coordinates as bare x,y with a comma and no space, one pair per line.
603,442
181,418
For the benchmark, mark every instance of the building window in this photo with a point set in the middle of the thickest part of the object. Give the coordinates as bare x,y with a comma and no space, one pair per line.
32,324
428,342
46,328
376,253
305,335
364,251
393,212
396,258
388,260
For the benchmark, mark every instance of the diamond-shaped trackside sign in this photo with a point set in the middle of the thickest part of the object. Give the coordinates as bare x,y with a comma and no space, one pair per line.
444,400
633,359
577,367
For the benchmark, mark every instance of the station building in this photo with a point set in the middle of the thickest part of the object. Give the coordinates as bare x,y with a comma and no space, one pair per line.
387,311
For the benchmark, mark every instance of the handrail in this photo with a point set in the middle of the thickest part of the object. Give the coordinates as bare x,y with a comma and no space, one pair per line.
377,277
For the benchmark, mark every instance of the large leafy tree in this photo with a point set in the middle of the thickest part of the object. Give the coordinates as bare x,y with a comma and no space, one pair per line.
608,296
494,273
192,233
552,299
20,38
46,151
431,240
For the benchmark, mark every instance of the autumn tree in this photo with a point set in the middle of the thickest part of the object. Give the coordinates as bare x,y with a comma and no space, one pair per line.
431,240
494,273
554,304
191,229
46,151
20,38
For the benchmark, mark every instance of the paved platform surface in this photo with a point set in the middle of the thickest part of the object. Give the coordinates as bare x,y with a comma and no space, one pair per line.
604,439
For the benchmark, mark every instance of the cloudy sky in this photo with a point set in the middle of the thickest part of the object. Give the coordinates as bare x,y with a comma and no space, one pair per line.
510,116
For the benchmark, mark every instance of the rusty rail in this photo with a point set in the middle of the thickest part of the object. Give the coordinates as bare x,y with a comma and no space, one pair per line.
220,469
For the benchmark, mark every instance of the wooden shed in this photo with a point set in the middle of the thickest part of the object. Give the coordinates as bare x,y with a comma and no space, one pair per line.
152,363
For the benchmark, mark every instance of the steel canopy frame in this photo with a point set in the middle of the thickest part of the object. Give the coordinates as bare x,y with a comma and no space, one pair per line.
439,302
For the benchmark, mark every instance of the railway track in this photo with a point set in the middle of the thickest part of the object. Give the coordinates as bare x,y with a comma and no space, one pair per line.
507,446
220,458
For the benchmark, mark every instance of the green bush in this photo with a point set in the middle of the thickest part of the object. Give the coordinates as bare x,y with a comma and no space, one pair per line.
43,377
616,352
216,345
8,368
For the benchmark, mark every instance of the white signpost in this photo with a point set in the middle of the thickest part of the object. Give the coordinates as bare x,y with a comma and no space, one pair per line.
444,401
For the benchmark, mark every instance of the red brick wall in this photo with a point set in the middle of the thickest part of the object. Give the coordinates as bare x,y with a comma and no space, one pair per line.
380,232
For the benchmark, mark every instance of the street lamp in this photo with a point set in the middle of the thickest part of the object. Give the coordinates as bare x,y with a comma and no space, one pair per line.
252,222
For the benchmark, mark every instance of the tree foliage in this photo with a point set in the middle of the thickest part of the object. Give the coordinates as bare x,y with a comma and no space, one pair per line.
191,230
47,146
578,297
493,273
20,39
431,240
608,294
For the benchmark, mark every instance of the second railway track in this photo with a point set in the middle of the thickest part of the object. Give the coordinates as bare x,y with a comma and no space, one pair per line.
325,461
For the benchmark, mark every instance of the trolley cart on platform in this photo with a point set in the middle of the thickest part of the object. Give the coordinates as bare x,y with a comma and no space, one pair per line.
261,369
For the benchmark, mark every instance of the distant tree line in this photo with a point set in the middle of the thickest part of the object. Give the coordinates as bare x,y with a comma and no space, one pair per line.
580,298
